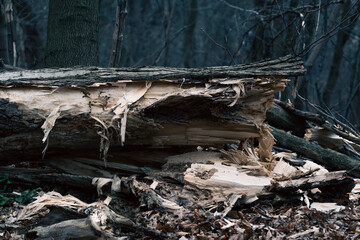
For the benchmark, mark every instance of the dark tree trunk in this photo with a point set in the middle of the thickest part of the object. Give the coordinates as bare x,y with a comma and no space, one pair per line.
72,37
342,38
189,43
4,53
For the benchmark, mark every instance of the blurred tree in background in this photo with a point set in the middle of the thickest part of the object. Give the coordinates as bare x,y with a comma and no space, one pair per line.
72,36
4,51
199,33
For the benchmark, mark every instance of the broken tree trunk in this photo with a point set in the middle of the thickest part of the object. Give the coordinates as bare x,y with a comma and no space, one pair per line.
38,177
77,111
328,157
322,128
278,117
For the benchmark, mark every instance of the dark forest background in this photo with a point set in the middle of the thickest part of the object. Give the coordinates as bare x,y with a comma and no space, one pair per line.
199,33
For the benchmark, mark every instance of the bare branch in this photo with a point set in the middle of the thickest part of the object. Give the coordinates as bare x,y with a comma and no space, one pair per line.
219,45
239,8
335,29
330,117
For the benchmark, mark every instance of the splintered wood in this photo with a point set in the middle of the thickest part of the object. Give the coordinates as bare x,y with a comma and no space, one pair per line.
85,110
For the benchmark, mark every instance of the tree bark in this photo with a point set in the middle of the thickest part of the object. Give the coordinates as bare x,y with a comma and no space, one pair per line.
281,68
37,177
278,117
72,37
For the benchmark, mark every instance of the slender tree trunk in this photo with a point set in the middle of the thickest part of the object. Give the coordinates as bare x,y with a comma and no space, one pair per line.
262,43
189,35
12,41
121,12
30,41
288,39
330,23
4,51
355,84
314,55
168,16
72,37
342,38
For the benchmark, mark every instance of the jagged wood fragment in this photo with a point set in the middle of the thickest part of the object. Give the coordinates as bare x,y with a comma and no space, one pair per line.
336,182
328,139
69,229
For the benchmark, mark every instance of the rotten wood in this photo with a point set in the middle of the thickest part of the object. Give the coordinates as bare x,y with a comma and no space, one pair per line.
328,139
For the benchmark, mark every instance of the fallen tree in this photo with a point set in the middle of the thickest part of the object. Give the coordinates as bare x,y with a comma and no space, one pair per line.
75,109
151,116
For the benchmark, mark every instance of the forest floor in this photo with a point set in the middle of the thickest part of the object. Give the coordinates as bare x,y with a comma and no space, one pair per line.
156,209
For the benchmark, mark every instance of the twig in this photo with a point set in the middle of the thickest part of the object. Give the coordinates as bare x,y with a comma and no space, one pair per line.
320,119
239,8
346,121
168,41
305,9
219,45
318,18
341,133
352,96
334,30
324,114
305,174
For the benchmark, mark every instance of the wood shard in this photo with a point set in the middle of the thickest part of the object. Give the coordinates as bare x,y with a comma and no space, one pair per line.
222,180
